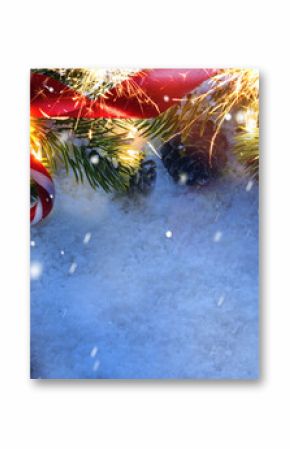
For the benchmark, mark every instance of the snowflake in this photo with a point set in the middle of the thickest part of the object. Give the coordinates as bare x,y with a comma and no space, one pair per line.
87,238
217,237
35,270
73,268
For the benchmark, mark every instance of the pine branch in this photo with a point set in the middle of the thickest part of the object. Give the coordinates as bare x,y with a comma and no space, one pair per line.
246,149
91,82
163,126
73,145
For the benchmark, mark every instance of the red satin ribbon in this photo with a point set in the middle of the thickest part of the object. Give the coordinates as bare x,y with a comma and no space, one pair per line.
162,87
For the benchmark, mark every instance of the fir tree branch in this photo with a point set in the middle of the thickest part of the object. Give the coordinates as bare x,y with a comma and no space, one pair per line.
61,142
246,149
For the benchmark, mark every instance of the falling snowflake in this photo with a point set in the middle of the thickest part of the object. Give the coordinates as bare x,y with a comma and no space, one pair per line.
168,234
35,270
183,178
220,301
94,351
217,237
87,238
96,365
115,162
95,159
249,185
73,268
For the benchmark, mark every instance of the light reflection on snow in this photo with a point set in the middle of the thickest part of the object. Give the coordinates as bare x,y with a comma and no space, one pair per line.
168,234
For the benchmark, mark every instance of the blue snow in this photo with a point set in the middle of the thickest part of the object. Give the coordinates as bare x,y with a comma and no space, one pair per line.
161,286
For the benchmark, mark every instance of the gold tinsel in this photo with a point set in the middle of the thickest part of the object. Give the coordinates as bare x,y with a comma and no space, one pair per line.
230,91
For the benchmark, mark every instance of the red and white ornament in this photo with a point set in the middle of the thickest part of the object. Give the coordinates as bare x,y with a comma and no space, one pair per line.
45,191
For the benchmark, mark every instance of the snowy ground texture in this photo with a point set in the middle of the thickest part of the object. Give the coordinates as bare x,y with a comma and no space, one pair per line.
115,295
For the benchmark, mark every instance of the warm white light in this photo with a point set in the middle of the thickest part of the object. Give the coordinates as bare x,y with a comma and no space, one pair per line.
251,125
132,152
240,117
132,133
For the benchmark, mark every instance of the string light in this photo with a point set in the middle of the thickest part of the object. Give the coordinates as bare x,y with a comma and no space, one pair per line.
35,143
93,81
228,89
132,132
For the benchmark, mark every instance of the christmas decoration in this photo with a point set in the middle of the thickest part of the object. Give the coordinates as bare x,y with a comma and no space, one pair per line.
100,123
246,148
89,120
43,191
229,92
145,94
189,162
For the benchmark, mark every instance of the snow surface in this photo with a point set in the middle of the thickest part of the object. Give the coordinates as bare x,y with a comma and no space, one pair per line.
162,286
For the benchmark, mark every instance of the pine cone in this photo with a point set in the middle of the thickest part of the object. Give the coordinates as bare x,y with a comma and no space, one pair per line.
191,164
144,180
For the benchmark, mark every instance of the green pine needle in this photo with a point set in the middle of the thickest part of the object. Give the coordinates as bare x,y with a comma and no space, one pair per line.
246,149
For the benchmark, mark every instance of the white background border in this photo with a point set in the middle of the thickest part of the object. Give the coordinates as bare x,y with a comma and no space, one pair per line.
108,414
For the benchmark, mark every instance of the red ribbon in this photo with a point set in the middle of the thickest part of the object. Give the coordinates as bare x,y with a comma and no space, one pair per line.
159,89
154,91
